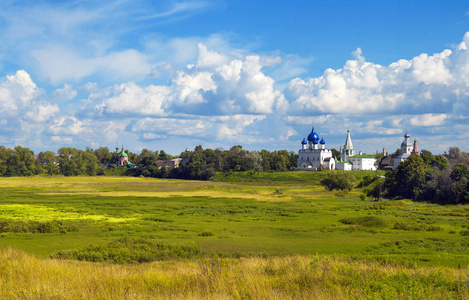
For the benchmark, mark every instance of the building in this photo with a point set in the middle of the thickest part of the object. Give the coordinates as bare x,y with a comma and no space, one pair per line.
343,165
350,161
123,159
348,147
170,164
407,149
313,154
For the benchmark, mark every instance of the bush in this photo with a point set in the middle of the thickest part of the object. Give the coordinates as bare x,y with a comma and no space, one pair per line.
416,227
20,226
130,250
367,221
206,233
338,181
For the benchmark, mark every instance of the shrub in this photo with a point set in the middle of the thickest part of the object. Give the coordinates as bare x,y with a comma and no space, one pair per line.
21,226
367,221
206,233
130,250
416,227
338,181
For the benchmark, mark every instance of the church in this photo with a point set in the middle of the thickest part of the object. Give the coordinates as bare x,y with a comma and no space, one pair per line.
406,150
313,154
350,161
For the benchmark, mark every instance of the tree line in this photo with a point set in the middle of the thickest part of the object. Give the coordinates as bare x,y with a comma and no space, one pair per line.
442,179
197,164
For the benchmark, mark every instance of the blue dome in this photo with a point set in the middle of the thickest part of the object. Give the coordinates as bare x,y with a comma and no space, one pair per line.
304,142
322,142
313,137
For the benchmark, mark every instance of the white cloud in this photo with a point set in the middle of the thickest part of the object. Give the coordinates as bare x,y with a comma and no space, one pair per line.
59,63
130,99
235,87
42,113
425,84
429,120
68,126
209,59
16,93
64,94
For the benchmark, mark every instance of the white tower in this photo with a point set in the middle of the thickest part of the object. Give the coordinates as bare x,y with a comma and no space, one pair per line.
348,147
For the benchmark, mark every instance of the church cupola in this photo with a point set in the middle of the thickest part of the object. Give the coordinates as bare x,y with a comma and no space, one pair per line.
313,139
303,144
406,147
415,150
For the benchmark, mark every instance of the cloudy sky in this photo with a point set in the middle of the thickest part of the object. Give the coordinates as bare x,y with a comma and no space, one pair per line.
175,74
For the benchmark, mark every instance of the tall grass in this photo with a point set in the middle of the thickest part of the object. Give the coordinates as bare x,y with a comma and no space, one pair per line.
301,277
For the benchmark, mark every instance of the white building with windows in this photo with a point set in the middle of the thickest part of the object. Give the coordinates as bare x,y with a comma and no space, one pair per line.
406,150
350,161
313,154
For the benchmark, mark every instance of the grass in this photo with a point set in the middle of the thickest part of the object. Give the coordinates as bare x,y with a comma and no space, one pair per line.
271,235
224,218
23,276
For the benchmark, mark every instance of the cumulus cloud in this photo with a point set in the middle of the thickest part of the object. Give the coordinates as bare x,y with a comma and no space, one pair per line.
428,120
64,94
215,87
42,113
16,93
424,84
67,125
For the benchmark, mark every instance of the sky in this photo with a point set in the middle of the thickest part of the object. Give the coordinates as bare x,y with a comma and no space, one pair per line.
170,75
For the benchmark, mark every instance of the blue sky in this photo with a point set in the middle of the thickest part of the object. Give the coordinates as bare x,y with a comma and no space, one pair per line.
175,74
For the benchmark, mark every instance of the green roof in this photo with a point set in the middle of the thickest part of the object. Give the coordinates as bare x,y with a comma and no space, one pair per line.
363,156
123,154
344,162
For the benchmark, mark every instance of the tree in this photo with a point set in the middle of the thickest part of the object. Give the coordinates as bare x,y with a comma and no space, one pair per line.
103,156
48,162
5,154
338,181
68,162
22,163
335,153
408,180
460,171
164,156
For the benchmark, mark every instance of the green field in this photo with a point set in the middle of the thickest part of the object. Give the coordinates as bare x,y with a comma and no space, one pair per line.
241,236
260,214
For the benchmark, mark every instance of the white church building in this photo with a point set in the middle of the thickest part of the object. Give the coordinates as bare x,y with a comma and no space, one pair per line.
313,154
406,150
350,161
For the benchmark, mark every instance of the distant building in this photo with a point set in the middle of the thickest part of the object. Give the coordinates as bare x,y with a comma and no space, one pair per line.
123,159
170,164
387,162
314,155
350,161
407,149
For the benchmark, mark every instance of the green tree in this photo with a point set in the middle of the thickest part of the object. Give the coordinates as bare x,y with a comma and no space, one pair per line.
48,163
103,156
67,159
22,163
338,181
164,156
5,154
336,154
460,171
408,180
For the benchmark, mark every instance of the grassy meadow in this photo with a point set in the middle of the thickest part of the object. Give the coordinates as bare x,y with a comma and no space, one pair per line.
246,235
